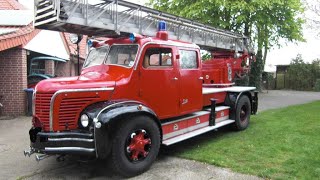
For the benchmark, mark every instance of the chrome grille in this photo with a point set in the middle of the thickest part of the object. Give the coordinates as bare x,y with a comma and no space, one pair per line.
70,109
42,109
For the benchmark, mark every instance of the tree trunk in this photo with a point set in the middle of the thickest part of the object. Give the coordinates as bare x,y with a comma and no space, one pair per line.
257,66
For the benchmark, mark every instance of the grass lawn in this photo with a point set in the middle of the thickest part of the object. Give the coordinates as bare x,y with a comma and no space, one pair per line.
279,144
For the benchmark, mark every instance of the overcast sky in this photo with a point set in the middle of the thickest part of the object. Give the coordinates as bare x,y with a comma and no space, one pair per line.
310,49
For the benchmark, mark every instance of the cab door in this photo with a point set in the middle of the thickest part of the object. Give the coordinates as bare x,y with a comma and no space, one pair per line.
190,81
159,80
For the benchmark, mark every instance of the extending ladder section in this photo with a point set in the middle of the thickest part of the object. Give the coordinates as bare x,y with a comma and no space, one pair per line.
114,18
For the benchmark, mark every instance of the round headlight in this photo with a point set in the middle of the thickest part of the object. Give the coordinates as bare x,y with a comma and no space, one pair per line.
84,119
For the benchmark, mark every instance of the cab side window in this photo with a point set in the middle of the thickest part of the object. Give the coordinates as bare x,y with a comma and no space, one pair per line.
158,57
188,59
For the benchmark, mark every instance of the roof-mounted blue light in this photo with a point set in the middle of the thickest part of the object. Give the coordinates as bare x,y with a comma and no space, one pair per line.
132,37
162,26
90,43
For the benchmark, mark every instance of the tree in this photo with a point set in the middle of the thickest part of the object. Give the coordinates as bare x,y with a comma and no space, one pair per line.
265,22
313,17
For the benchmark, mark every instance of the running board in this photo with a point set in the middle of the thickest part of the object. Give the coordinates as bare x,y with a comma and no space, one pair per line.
196,132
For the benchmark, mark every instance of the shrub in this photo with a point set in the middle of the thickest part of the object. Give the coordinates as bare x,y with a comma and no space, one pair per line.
317,85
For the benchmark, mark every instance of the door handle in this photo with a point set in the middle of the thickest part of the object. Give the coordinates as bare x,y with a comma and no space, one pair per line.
175,78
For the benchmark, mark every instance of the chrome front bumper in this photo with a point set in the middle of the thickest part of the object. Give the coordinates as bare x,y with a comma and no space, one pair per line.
73,142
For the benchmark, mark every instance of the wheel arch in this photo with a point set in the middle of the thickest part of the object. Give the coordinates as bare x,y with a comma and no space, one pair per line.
244,93
120,111
232,100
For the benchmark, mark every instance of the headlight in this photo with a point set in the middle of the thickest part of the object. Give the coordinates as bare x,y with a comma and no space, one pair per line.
84,119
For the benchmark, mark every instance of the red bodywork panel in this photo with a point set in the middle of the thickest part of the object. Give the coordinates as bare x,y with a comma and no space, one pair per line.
223,68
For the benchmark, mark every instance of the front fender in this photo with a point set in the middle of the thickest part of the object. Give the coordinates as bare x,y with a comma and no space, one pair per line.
107,112
125,108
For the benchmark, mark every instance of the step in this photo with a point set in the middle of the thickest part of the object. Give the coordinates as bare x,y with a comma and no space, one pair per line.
196,132
222,113
218,108
184,124
193,115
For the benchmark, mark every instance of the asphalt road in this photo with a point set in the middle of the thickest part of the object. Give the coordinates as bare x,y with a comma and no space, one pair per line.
14,139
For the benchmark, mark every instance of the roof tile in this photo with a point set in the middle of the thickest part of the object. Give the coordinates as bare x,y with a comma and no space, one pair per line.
73,47
10,5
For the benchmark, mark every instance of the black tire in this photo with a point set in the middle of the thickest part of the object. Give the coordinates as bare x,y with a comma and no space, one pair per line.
243,112
123,158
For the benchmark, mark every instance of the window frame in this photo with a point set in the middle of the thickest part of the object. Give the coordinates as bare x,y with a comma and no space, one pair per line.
160,56
83,67
190,50
128,67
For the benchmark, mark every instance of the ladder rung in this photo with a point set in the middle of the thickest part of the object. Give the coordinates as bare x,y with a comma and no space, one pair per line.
43,3
45,15
45,21
45,9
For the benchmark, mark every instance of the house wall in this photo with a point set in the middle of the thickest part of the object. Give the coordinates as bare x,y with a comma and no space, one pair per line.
13,79
65,69
49,67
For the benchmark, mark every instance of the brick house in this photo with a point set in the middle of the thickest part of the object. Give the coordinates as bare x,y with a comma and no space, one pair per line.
16,34
13,58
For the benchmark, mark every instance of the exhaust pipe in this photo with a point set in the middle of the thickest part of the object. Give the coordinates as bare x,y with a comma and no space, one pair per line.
41,157
28,152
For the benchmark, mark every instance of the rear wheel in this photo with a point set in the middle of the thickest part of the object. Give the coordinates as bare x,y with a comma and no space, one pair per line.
243,111
135,146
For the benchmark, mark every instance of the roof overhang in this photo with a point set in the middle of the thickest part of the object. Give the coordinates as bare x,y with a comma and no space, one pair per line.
15,17
48,43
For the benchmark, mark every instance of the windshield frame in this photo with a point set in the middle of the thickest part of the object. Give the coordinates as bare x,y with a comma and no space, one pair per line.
116,44
105,46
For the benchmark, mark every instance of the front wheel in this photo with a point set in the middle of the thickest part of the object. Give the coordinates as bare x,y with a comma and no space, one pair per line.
243,111
135,146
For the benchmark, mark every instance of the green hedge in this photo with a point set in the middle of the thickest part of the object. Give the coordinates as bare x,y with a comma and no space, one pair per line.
303,75
317,85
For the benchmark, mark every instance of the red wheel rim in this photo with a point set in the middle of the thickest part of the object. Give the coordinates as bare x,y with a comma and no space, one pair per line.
138,145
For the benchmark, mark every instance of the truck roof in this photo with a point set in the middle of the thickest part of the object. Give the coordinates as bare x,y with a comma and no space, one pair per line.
144,40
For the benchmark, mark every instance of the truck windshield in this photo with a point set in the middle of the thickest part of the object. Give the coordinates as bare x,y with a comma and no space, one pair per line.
123,55
96,56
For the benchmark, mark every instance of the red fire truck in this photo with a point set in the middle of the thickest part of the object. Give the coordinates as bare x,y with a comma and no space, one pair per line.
136,92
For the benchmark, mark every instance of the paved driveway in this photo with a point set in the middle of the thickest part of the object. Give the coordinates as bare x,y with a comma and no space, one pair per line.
277,99
14,138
